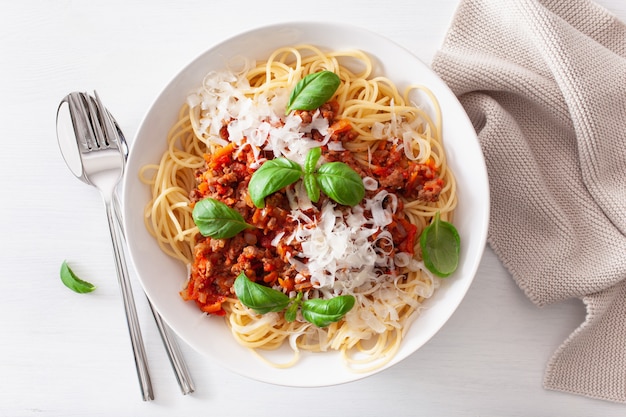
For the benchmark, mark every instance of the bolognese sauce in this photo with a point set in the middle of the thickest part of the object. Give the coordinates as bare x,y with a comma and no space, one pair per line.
263,253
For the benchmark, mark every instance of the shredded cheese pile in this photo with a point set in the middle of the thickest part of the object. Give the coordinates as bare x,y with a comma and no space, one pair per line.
256,121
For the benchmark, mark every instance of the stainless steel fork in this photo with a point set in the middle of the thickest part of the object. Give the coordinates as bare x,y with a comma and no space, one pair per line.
183,377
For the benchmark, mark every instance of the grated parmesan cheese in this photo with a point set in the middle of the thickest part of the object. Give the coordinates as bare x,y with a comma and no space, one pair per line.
337,246
256,121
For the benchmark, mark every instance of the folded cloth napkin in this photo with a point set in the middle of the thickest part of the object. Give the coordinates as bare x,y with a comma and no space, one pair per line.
544,83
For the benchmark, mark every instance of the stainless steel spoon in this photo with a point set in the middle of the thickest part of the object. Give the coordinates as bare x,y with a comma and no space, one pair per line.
95,157
73,122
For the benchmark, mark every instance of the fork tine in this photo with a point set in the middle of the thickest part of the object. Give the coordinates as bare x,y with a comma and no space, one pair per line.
98,136
106,123
92,132
81,122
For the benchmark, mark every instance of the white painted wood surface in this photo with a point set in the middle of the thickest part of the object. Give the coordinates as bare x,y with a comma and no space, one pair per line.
63,354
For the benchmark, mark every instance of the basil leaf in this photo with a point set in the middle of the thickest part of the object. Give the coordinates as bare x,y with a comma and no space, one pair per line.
440,243
258,297
272,176
323,312
341,183
71,281
215,219
292,310
310,181
313,90
311,187
310,162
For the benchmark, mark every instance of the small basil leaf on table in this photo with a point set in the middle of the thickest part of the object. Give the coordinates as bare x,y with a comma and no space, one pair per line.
272,176
258,297
323,312
215,219
440,243
341,183
71,280
313,90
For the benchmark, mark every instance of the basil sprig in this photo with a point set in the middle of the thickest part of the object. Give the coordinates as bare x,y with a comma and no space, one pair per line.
336,179
272,176
322,312
341,183
318,311
217,220
440,243
313,90
71,280
292,310
258,297
310,181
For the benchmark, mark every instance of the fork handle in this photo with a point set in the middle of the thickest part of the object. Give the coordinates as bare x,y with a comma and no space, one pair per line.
141,362
185,382
183,377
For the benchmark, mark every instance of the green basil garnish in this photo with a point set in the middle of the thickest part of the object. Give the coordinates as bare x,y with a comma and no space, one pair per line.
336,179
323,312
71,280
310,161
317,311
313,90
312,188
440,243
272,176
310,181
292,310
215,219
341,183
258,297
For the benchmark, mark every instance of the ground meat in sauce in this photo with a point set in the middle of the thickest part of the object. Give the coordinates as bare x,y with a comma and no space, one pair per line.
218,262
412,180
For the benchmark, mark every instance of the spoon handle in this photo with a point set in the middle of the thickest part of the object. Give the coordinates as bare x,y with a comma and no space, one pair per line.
136,339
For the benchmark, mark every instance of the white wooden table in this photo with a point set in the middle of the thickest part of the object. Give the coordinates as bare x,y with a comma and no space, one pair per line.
63,354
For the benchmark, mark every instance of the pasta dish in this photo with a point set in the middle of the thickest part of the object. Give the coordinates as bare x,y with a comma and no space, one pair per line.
348,185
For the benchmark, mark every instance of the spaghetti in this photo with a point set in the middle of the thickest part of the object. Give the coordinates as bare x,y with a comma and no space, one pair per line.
235,122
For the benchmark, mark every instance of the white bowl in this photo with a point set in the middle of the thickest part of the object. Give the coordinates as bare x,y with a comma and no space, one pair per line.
163,277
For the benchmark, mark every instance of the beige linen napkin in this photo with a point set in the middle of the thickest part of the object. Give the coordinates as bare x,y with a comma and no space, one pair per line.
544,83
